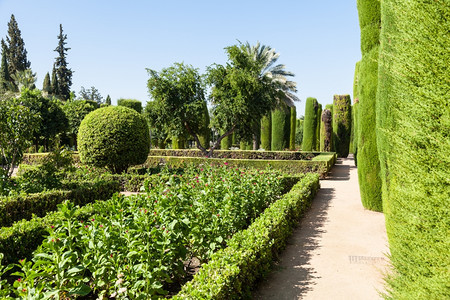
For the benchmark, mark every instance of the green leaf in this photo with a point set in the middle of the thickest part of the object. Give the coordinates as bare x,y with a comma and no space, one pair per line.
81,290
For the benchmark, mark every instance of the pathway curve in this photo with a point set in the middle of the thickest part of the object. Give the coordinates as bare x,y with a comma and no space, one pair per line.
339,249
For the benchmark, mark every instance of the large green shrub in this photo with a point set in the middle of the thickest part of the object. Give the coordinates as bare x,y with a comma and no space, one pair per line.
367,153
310,124
318,124
131,103
293,124
266,132
280,124
355,113
326,131
299,133
413,119
114,136
205,132
226,142
342,122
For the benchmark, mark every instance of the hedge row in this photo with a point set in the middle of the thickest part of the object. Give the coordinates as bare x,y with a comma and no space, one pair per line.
280,127
23,237
234,154
24,206
413,119
320,164
232,272
266,132
368,163
342,124
310,125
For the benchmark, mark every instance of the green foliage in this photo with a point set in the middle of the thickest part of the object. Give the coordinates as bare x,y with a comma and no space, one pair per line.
233,271
355,113
130,103
318,123
16,53
93,94
326,131
47,86
75,112
205,130
293,128
367,153
280,122
54,82
226,142
310,124
342,124
178,96
108,100
113,136
144,240
413,119
320,164
63,80
266,132
53,119
299,132
4,72
17,125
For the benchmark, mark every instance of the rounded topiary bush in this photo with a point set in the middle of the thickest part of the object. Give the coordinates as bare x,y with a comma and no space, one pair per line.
115,137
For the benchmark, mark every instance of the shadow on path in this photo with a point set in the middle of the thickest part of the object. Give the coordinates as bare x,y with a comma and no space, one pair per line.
294,275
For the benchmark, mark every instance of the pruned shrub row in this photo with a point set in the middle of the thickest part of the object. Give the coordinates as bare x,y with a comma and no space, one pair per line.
310,125
24,206
320,164
413,119
232,272
367,156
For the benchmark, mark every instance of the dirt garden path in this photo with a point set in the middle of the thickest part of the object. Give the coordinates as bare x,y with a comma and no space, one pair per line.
337,252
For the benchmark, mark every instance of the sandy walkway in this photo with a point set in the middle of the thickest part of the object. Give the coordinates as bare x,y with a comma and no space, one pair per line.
337,252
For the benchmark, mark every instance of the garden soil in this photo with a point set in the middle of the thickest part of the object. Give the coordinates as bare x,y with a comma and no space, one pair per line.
339,249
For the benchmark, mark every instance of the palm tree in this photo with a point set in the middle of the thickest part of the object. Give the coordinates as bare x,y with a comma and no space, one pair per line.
276,75
273,74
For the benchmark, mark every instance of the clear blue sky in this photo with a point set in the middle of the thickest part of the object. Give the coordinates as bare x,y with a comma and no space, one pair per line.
113,42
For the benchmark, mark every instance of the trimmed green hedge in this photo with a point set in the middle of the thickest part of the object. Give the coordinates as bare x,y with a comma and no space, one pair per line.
280,128
293,128
238,154
131,103
355,114
232,272
310,125
15,208
413,119
23,237
342,124
318,124
113,136
320,164
326,131
266,132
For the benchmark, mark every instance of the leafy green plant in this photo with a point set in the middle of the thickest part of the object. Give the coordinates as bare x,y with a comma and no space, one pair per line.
137,245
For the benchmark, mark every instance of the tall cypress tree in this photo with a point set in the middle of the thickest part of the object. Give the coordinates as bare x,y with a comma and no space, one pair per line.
108,100
46,86
54,82
17,54
4,72
63,73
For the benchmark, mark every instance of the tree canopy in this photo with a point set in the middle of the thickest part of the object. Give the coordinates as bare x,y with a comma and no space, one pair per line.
63,73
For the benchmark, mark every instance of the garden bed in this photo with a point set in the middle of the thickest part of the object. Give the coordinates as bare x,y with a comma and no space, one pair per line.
146,239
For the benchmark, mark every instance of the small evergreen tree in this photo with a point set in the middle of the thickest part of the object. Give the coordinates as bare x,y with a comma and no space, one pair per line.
16,52
54,82
310,124
108,100
47,86
63,73
4,72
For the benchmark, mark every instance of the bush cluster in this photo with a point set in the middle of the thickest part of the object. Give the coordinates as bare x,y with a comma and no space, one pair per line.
232,272
413,119
310,125
114,136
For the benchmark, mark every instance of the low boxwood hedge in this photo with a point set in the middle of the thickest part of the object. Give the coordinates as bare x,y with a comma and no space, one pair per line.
24,206
232,272
23,237
320,164
238,154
